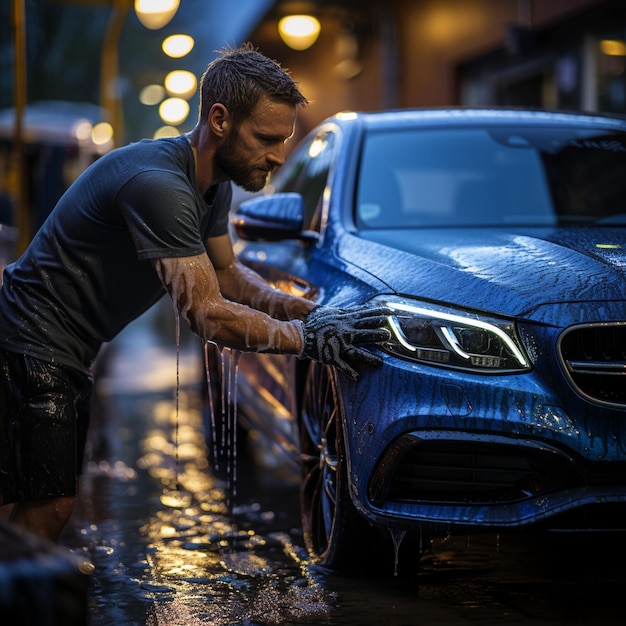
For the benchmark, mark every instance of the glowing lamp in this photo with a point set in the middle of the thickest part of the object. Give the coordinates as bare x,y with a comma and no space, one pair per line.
613,47
177,46
155,14
299,32
173,111
181,83
152,94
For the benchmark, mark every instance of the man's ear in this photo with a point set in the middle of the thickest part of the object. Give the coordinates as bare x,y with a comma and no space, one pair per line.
219,119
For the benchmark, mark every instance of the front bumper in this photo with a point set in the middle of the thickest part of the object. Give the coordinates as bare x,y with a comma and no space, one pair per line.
463,481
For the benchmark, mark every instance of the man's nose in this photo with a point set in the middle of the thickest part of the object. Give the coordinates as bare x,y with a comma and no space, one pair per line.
276,156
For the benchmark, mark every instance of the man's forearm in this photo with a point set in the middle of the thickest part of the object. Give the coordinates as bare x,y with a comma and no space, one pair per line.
192,284
241,284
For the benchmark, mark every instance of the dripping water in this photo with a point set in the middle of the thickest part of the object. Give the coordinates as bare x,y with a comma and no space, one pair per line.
396,536
211,345
230,367
224,443
175,497
177,403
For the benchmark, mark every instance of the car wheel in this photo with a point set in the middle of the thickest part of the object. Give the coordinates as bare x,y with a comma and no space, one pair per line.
335,534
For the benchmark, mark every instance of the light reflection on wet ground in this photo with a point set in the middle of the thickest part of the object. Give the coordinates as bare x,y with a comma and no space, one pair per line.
178,557
153,517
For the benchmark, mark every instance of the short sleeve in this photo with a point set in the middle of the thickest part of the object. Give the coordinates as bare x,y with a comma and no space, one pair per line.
163,215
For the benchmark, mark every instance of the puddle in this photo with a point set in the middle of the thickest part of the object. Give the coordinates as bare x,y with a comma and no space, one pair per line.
173,543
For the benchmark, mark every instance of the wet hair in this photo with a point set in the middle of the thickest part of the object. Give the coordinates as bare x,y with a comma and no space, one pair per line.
239,77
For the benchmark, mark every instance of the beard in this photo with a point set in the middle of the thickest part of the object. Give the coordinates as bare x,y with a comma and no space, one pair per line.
233,164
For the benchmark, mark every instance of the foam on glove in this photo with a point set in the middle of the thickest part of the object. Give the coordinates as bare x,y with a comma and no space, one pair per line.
334,336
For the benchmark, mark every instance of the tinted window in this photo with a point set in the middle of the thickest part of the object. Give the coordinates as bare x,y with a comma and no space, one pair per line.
306,173
465,177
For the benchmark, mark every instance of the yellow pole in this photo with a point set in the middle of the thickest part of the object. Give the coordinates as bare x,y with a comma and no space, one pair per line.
109,71
22,217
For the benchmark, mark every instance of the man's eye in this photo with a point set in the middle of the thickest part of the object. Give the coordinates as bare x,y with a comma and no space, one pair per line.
270,141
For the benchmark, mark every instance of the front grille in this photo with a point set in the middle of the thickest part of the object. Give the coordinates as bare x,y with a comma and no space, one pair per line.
416,470
594,359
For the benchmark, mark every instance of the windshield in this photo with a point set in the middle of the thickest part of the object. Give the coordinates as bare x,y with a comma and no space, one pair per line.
491,177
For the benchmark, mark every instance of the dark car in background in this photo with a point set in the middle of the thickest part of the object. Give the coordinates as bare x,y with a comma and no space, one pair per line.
497,239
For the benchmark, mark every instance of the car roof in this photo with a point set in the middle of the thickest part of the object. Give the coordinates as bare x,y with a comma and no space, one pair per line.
463,116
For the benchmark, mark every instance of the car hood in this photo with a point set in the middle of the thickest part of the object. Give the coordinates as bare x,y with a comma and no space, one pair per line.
511,272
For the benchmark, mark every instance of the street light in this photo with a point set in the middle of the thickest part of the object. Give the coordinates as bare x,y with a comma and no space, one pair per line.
153,14
174,111
177,46
181,83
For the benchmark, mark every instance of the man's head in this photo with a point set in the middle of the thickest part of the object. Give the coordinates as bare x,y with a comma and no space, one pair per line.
248,105
240,77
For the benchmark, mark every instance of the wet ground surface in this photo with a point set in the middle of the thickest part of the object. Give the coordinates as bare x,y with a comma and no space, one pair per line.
175,542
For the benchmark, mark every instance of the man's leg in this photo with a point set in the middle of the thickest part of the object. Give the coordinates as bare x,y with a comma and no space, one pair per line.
45,518
44,415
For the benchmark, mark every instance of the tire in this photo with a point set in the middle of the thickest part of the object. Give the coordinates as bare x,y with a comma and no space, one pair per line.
335,534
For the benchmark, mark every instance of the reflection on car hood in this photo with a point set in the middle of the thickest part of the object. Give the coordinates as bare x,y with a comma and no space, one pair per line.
510,272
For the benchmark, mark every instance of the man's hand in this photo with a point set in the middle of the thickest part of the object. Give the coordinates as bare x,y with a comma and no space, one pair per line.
332,335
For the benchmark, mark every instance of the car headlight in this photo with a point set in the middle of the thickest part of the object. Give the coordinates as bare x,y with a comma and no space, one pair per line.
453,338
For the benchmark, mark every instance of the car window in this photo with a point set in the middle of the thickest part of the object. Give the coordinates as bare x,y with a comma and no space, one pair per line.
479,177
306,173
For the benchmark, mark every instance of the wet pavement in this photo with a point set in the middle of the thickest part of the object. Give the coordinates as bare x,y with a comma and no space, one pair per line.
177,541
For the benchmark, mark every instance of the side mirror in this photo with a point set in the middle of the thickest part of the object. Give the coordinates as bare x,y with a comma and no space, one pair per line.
271,218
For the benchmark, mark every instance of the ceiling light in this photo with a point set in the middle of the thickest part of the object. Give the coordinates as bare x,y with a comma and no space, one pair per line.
155,14
613,47
299,31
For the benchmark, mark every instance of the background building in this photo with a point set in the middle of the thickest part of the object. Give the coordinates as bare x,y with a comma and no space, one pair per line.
420,53
368,55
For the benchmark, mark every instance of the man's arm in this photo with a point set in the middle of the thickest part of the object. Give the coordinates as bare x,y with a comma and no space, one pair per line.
241,284
332,336
193,285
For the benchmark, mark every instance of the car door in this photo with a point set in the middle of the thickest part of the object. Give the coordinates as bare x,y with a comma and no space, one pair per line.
267,382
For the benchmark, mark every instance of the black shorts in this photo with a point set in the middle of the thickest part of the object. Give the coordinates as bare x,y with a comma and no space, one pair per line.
44,416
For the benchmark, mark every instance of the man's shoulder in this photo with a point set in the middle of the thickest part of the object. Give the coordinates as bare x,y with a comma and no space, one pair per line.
153,151
151,161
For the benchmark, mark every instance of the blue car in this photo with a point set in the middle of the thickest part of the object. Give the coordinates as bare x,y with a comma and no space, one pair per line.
497,239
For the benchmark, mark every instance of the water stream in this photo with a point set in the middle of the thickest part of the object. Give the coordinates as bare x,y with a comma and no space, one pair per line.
171,545
224,429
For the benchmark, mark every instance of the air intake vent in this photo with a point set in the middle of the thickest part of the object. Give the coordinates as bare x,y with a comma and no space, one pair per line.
594,357
469,472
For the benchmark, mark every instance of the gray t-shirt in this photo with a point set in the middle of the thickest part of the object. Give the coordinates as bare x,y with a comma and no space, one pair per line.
87,272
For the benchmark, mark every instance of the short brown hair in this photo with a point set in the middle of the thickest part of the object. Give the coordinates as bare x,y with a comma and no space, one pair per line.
239,77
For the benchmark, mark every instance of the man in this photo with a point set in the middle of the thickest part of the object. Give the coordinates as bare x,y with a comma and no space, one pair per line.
147,218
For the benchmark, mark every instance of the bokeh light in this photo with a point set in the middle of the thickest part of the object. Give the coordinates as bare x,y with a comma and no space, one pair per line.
177,46
181,83
155,14
152,94
299,31
102,133
173,111
166,131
